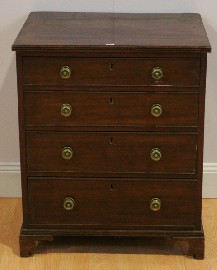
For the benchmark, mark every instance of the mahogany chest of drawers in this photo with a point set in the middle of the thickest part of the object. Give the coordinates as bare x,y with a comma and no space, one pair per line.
111,116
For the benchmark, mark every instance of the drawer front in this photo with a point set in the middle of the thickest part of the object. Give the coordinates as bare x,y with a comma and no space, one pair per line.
110,202
111,152
111,109
110,71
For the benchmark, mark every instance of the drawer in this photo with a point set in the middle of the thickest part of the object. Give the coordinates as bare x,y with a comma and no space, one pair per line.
111,152
111,71
151,110
110,202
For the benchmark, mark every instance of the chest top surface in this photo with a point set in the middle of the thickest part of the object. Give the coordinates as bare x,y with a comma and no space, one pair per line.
68,31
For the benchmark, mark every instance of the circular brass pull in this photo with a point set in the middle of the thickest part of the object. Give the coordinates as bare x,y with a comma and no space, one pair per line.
67,153
66,110
69,203
156,110
65,72
155,154
157,73
155,204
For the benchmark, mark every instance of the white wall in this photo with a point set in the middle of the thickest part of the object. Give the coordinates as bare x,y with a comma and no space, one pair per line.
13,14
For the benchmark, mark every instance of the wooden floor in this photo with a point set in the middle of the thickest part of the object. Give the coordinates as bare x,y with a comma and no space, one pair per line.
101,253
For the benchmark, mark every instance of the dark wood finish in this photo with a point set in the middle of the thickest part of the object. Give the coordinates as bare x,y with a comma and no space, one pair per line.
55,30
22,137
176,239
113,203
116,152
111,109
110,71
195,245
28,243
111,174
201,135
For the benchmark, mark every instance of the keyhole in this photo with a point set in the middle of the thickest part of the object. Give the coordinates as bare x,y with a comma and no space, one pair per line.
111,187
111,101
111,141
111,66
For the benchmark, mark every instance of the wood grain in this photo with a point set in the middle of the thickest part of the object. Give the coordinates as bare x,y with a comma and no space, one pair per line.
175,43
111,109
98,71
62,30
110,203
116,153
101,253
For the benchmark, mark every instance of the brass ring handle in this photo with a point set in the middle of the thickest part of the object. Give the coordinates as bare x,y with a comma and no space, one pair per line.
155,154
66,110
156,110
157,73
67,153
65,72
69,203
155,204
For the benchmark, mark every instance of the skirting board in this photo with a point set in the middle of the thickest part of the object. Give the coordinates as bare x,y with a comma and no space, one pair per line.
10,185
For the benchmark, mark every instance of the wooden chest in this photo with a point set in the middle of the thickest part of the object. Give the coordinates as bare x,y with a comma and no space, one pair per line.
111,117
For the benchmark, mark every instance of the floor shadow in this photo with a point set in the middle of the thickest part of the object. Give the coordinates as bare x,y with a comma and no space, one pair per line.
111,245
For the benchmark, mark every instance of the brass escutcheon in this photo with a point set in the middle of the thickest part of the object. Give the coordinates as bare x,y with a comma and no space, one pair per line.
67,153
155,154
157,73
156,110
155,204
69,203
66,110
65,72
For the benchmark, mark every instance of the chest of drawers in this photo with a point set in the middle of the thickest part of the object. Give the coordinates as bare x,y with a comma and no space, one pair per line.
111,116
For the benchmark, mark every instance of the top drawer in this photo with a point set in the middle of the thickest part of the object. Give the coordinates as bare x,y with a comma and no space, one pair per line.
111,71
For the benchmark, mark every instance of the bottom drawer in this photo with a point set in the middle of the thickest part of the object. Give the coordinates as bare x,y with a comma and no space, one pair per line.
110,203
